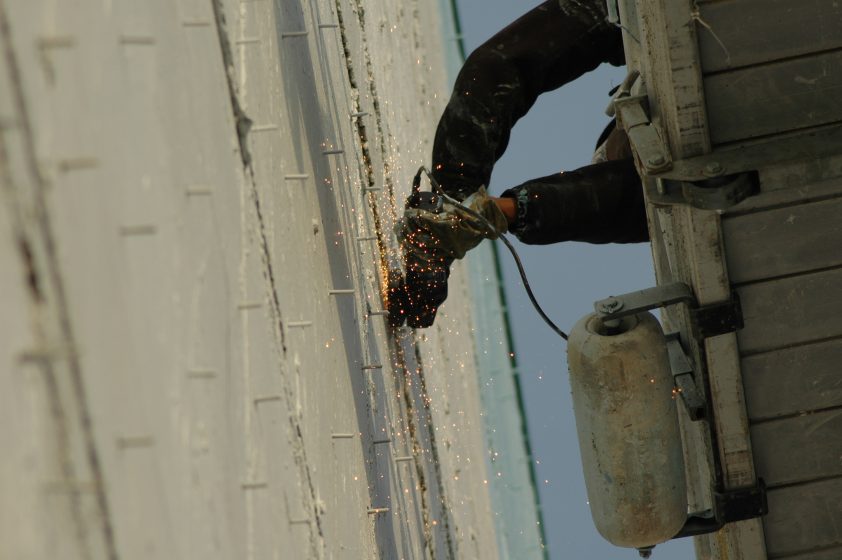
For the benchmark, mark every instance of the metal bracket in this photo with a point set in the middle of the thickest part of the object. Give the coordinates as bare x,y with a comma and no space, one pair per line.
684,378
717,318
742,503
709,320
707,193
633,116
729,506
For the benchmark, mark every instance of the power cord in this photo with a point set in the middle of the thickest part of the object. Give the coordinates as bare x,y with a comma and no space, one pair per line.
493,231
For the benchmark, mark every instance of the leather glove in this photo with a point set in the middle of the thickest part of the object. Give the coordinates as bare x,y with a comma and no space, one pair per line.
433,232
441,230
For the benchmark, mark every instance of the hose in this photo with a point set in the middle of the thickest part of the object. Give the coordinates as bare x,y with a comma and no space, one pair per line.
492,231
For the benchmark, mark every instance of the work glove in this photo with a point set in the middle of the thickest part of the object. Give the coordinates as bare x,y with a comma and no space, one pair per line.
433,232
441,230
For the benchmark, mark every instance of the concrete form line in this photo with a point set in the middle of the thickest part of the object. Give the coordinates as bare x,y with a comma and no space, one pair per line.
70,487
201,374
267,398
264,127
328,26
196,23
134,442
344,291
254,485
56,42
296,177
381,312
372,366
247,40
404,459
287,34
299,324
382,441
342,436
375,511
332,152
246,305
198,190
42,355
136,40
77,163
142,229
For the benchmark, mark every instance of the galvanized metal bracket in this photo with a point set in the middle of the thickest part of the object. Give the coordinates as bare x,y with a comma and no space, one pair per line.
632,113
712,193
729,506
684,377
707,320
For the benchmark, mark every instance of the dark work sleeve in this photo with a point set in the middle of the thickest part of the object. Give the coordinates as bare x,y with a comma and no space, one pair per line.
599,203
551,45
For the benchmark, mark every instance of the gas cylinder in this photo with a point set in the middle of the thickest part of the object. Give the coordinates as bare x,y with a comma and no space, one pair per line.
627,425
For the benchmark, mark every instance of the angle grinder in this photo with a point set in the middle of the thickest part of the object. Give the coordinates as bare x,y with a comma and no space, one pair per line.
414,297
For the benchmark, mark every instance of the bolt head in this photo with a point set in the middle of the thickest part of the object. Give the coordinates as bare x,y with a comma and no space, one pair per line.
655,161
610,305
713,168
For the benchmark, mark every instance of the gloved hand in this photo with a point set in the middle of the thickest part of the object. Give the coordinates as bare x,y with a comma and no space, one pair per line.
433,232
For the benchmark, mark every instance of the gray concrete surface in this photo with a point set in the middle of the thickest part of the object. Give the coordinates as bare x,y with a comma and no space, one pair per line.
196,196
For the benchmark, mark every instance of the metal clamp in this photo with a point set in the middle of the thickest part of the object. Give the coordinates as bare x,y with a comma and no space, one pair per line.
729,506
633,116
684,378
714,192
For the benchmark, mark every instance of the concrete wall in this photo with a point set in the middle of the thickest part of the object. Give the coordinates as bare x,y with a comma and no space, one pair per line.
197,203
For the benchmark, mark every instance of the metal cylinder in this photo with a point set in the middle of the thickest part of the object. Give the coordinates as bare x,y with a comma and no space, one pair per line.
628,432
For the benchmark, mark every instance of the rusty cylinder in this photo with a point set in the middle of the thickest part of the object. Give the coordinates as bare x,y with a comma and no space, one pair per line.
627,424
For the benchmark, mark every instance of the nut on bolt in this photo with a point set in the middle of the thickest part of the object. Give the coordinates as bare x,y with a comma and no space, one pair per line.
713,169
656,161
610,305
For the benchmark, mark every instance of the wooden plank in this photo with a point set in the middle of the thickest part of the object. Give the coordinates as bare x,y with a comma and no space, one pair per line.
793,183
774,98
798,448
785,241
791,311
738,33
793,380
832,553
803,518
670,68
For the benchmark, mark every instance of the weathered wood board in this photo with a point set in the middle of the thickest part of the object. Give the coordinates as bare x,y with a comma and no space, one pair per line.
804,518
788,95
737,33
791,311
784,241
798,448
793,380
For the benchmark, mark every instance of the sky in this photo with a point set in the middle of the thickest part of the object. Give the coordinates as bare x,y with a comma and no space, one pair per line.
558,134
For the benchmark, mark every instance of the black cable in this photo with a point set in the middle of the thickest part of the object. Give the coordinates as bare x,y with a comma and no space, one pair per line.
493,231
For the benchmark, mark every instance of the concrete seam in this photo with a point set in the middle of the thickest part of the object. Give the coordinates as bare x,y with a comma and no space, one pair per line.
54,273
243,124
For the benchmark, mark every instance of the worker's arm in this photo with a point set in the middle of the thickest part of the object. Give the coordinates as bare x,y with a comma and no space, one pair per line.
551,45
599,203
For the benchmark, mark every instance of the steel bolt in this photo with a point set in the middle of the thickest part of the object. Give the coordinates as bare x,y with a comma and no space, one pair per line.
610,305
713,168
656,161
